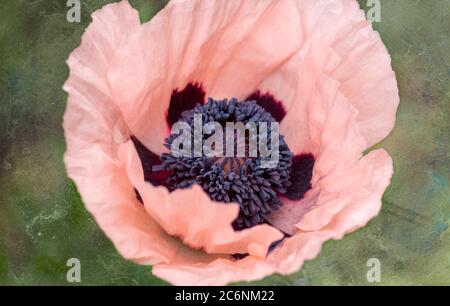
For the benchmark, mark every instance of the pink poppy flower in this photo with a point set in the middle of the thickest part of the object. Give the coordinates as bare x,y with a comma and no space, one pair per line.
317,67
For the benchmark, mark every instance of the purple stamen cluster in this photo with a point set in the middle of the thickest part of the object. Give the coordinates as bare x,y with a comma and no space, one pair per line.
232,179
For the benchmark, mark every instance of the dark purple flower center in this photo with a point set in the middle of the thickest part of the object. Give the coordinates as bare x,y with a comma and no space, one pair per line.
240,179
226,178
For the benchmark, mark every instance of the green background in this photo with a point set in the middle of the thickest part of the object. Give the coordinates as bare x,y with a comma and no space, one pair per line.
43,221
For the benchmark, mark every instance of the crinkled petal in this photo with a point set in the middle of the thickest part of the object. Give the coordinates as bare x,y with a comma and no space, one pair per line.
337,145
339,42
362,205
365,202
341,63
291,212
340,196
366,75
110,28
215,273
193,216
94,128
227,46
289,257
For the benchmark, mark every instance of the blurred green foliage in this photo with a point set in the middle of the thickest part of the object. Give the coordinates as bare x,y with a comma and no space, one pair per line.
43,221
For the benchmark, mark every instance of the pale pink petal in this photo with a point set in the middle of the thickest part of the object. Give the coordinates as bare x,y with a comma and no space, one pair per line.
294,85
365,202
94,128
362,205
191,215
228,46
338,170
337,145
291,212
216,273
339,196
339,42
299,95
329,104
109,29
364,69
289,257
366,76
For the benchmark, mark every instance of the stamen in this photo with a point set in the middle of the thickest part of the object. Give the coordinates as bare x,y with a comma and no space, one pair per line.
233,179
230,179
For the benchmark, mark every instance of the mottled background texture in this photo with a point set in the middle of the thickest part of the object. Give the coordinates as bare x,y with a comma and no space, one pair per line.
43,221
